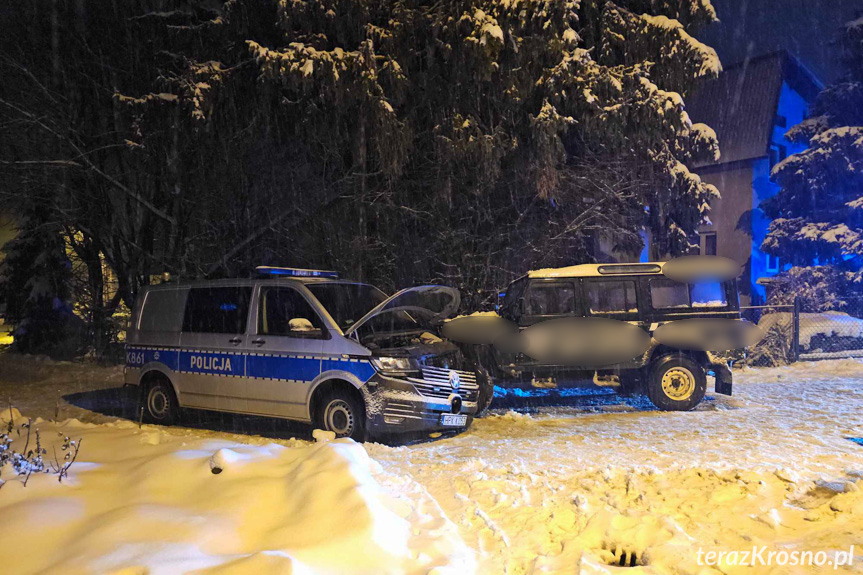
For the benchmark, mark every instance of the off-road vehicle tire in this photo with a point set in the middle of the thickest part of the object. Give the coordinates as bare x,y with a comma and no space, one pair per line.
676,383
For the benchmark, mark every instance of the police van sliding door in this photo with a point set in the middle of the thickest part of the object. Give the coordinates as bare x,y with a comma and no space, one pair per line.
284,352
212,362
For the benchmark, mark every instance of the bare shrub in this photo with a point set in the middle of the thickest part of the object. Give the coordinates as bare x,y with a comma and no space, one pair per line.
31,460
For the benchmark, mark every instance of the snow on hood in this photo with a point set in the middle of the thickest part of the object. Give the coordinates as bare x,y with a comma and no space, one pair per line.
436,302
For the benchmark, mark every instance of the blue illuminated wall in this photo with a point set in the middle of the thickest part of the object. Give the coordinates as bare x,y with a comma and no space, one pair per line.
644,256
793,108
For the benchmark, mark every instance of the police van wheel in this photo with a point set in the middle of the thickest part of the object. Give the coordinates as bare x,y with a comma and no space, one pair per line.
342,414
677,383
160,403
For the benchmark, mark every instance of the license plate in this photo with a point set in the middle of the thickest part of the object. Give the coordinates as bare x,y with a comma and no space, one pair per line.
453,420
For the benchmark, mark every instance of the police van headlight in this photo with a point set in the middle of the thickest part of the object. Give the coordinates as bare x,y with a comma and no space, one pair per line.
394,365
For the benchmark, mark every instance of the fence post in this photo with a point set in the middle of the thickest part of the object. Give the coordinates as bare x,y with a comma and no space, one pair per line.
795,333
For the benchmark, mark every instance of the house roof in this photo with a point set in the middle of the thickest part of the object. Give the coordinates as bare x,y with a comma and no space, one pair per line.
740,105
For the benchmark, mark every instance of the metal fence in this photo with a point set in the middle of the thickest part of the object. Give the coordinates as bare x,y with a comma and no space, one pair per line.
781,344
794,333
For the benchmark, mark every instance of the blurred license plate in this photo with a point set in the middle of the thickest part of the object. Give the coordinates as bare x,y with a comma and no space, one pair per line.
451,419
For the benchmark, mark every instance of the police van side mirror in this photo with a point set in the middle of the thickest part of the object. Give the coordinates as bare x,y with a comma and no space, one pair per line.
302,327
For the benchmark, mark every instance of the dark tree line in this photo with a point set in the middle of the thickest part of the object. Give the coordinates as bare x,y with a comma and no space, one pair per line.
399,142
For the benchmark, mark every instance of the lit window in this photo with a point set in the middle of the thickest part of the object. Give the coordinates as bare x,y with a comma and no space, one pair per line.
772,264
777,154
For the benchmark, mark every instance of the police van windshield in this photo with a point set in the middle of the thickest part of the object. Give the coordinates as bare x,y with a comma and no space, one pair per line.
347,302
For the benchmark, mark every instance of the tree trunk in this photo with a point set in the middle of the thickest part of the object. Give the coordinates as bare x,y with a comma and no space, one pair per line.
96,285
360,157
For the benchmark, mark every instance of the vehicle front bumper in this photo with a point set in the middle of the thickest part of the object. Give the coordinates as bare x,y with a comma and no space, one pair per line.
393,406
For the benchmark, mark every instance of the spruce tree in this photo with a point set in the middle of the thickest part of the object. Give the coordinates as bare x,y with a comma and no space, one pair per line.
538,124
34,277
818,213
400,142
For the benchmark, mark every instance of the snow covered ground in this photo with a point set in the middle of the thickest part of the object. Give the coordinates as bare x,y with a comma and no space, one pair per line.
567,489
146,501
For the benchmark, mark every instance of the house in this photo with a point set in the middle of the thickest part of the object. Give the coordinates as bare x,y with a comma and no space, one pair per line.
750,106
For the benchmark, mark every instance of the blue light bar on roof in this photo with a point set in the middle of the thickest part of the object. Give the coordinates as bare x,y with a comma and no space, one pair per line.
296,272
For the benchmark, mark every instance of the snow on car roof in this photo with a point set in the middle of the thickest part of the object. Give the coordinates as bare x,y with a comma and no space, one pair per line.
594,270
236,282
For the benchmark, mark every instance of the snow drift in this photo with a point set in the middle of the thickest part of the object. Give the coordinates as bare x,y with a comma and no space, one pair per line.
149,502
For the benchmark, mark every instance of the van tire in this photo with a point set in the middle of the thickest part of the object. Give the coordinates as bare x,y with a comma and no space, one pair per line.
341,413
159,402
676,383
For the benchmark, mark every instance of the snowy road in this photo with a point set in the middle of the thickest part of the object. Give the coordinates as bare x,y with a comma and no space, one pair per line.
569,486
570,489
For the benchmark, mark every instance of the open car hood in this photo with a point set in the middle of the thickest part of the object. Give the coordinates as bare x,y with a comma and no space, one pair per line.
440,302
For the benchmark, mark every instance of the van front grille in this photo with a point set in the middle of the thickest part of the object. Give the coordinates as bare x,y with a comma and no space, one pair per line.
435,382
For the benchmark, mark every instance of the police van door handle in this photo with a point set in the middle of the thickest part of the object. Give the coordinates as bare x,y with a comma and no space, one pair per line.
236,340
259,341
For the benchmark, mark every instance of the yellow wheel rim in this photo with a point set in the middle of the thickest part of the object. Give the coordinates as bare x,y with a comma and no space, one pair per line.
678,383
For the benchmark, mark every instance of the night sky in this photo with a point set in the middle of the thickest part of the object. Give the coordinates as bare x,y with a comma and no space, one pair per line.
806,28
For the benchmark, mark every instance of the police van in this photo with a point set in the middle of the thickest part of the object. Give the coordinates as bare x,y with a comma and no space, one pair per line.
302,345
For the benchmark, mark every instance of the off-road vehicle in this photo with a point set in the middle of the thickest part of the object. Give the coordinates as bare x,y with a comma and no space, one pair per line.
639,294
